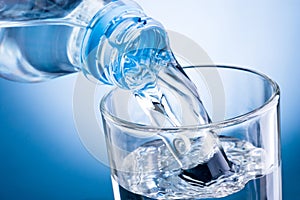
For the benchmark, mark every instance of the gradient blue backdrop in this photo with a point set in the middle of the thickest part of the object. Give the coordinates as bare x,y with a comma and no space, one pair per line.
41,154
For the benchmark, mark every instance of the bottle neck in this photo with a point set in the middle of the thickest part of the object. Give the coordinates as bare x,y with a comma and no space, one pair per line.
124,47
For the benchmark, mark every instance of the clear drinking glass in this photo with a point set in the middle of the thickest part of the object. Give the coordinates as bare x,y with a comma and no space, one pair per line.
244,108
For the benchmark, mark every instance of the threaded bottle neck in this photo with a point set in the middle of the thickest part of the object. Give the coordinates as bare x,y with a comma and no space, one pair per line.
124,47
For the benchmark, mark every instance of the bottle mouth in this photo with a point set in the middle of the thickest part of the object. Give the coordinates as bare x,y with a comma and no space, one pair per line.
134,57
124,47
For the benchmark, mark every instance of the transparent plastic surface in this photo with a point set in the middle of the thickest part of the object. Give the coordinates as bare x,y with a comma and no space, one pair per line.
143,167
30,10
111,41
40,40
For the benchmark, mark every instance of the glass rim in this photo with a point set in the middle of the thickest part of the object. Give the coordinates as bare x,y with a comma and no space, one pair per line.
214,125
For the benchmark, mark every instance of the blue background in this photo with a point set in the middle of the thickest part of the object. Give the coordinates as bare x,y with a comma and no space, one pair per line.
41,154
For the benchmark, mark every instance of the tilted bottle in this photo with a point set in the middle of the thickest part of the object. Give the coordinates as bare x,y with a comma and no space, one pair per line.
106,39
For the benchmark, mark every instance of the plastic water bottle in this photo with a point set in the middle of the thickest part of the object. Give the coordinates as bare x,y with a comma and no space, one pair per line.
106,39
